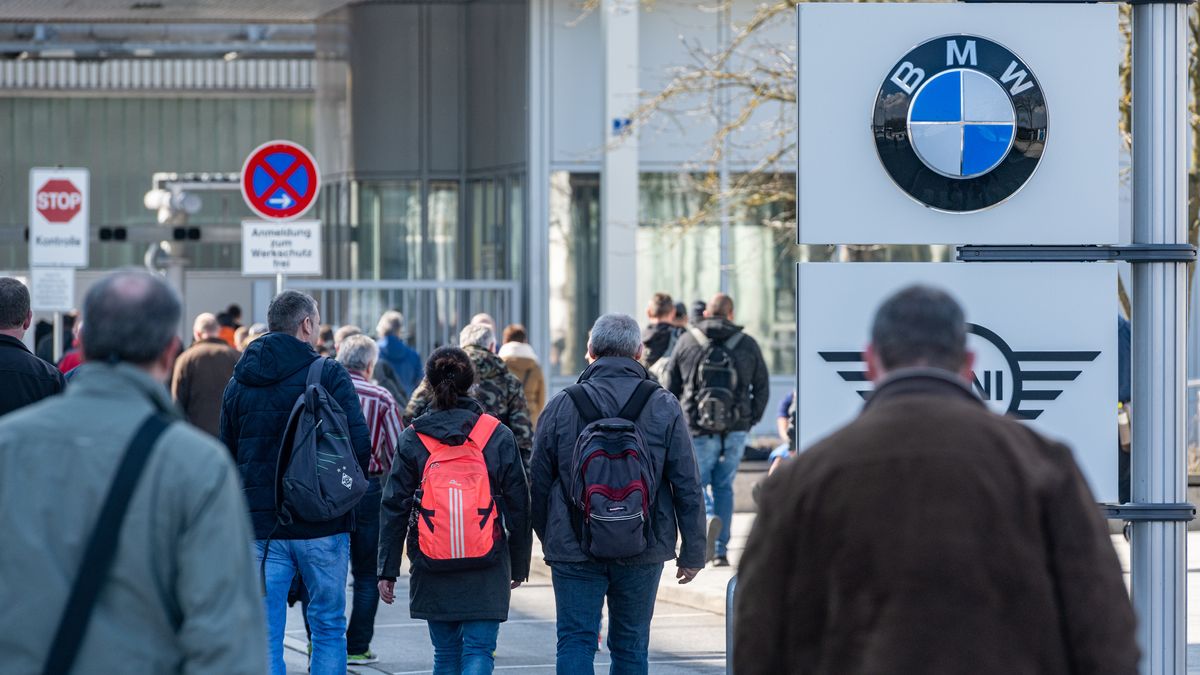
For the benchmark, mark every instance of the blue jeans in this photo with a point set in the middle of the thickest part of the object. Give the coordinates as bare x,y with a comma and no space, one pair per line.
579,592
463,647
364,548
323,564
717,472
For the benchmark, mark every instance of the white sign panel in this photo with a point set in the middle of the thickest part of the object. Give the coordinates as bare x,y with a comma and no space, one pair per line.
58,217
291,248
952,123
1044,335
53,289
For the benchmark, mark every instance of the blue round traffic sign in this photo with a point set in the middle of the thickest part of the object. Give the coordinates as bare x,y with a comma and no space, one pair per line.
280,180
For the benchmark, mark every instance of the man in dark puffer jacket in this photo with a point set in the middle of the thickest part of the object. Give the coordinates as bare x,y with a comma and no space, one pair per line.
258,400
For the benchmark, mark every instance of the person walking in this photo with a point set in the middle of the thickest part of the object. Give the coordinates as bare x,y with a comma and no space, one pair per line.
179,593
27,379
359,354
382,374
462,579
522,362
640,458
930,535
402,358
499,392
719,374
661,334
201,373
267,381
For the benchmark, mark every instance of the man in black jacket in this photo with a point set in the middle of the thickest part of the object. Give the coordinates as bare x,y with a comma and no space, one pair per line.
721,379
27,379
580,582
659,337
258,401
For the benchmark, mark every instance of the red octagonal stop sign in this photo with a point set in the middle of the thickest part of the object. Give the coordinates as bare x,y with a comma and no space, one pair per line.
59,200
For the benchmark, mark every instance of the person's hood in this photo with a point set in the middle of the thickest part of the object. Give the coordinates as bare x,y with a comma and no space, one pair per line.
658,334
519,350
487,364
614,366
718,329
450,426
272,358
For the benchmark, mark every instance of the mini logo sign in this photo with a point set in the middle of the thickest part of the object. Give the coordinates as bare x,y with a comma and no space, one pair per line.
1017,383
960,123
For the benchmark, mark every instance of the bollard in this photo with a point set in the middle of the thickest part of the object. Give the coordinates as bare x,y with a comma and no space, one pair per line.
729,623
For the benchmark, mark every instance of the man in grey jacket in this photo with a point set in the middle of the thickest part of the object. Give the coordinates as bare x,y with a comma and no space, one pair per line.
182,594
580,582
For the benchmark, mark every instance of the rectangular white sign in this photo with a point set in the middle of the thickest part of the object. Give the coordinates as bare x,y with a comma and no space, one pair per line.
59,203
952,123
292,248
1044,336
52,289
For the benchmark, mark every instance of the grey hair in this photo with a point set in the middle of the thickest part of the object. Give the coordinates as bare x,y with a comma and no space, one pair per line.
14,303
288,310
340,335
615,335
477,335
391,323
131,316
206,325
920,326
357,352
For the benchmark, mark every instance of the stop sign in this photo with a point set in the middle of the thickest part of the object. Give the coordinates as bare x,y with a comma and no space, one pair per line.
59,200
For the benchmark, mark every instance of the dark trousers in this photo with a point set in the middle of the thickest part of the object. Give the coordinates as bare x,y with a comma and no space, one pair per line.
579,593
364,553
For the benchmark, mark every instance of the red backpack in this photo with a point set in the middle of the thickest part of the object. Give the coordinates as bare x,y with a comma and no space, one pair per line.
458,526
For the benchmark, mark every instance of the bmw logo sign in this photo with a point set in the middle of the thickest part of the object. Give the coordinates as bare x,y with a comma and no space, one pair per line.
960,123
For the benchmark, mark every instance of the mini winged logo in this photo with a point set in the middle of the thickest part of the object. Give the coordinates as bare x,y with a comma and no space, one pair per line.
1018,383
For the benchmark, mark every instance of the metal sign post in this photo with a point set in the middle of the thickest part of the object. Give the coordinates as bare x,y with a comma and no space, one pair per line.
1158,555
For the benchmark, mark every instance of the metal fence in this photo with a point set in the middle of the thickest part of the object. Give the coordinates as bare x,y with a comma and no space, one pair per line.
435,311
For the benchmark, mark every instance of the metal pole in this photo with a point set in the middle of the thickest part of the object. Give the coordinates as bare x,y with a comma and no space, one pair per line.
58,329
1157,552
279,281
723,29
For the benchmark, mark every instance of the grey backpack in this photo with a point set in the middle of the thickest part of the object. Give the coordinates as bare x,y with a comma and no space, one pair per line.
318,477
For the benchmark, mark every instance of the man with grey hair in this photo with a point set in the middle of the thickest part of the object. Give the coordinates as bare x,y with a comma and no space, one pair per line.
500,393
877,549
202,372
179,592
383,374
403,359
270,377
27,379
581,582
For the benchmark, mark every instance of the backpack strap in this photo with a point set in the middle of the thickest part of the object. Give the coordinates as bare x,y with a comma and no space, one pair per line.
583,403
314,372
482,432
701,338
641,396
102,548
733,340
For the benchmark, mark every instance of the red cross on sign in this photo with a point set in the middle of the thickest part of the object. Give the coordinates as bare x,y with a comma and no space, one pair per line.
58,200
280,180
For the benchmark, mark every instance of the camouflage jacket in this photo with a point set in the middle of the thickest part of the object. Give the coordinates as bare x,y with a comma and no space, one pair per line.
499,391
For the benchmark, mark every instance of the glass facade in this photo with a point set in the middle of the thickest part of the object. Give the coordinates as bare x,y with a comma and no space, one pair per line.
574,268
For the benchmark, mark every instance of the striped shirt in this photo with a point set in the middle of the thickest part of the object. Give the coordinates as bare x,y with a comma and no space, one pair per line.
383,420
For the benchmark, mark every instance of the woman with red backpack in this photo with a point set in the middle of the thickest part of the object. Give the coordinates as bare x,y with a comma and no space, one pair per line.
458,497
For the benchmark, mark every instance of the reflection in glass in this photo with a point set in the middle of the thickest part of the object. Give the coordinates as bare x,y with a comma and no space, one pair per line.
573,267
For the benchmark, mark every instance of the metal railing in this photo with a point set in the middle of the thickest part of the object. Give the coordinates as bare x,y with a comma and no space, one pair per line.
435,311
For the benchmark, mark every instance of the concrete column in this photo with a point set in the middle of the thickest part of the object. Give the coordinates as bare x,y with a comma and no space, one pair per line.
619,176
539,178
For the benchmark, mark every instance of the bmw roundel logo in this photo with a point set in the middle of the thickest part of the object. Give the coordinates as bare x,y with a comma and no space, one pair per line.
960,123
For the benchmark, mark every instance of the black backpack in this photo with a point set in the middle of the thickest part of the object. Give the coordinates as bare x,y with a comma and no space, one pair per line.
318,477
716,383
612,484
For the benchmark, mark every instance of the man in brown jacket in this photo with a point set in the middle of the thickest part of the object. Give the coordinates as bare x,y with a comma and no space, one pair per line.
930,535
201,374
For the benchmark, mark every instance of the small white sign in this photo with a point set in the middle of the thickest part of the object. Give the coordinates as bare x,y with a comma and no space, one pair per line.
292,248
52,289
1044,336
58,217
952,123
